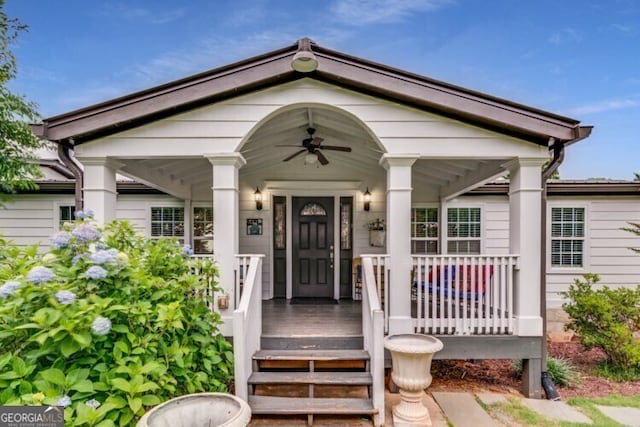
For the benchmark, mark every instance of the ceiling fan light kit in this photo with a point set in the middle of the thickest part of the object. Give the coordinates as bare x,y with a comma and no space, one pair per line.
313,149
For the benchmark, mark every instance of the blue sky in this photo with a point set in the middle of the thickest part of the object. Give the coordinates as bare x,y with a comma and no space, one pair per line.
579,58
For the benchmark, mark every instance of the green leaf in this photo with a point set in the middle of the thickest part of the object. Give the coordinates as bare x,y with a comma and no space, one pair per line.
135,404
54,376
120,328
148,386
69,346
125,417
25,387
150,400
19,367
83,386
105,423
118,402
46,316
121,384
4,359
83,339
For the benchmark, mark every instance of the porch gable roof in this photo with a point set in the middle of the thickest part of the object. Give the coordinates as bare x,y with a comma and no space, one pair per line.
334,67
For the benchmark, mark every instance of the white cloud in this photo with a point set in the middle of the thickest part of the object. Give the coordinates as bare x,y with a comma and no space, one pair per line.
362,12
566,35
604,106
131,13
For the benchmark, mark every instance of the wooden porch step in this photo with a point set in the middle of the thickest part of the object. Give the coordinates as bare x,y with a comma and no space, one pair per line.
318,378
327,342
269,405
309,355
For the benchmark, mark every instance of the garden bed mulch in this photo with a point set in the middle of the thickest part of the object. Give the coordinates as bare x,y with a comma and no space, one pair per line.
499,376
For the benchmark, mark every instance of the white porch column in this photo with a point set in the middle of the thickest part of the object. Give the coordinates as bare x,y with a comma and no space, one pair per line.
225,224
525,188
99,190
399,239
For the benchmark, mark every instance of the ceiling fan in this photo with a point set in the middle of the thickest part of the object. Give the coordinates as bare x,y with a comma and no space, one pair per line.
312,146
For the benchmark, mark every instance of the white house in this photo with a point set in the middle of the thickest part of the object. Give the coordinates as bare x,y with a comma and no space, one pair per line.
330,143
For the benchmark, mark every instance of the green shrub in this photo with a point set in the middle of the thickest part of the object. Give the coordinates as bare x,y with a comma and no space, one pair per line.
106,324
606,318
561,371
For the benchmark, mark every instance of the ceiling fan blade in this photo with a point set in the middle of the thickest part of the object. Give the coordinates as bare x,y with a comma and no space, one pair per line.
317,141
336,148
323,160
294,155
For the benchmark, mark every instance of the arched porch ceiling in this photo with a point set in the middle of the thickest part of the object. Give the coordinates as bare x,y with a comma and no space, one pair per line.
265,155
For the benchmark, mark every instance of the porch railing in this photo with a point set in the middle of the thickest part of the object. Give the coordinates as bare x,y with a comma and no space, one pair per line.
247,321
380,267
373,333
463,294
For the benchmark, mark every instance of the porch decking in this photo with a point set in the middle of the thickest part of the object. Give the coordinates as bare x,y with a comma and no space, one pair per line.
282,319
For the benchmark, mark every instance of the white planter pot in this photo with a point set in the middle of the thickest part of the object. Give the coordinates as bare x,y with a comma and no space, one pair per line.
411,356
200,409
377,238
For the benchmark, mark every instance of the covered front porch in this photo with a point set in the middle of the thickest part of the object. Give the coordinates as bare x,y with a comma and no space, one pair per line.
278,172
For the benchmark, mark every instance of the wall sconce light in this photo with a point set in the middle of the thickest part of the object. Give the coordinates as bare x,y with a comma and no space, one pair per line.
258,198
367,199
223,302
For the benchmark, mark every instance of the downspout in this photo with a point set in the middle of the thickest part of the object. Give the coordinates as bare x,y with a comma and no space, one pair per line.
64,152
558,157
558,147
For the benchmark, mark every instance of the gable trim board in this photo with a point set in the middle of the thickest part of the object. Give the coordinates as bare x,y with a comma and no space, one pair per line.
272,68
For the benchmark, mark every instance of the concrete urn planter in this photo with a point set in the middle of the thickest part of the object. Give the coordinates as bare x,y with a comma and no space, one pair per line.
197,410
411,356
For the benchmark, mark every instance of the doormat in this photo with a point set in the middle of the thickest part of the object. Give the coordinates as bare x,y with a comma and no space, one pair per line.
313,301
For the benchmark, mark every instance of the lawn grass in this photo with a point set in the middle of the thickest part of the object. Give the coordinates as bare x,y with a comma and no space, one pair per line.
514,410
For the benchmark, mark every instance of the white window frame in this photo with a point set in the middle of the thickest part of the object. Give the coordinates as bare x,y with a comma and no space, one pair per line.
438,239
56,213
585,239
445,226
165,205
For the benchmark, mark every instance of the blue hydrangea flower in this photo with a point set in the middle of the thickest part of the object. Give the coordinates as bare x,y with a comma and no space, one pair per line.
84,214
85,233
60,240
39,275
104,256
8,288
187,250
93,403
96,272
64,401
65,297
101,326
76,259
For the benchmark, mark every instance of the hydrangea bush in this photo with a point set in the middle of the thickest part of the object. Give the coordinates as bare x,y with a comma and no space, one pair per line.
106,324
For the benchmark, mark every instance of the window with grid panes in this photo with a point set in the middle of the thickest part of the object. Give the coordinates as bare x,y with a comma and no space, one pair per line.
65,215
167,222
567,237
463,230
202,230
424,230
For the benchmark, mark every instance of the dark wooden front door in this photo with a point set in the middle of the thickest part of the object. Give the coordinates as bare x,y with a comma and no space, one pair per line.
312,237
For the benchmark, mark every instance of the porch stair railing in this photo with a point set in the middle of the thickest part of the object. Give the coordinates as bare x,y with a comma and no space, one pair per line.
247,320
373,329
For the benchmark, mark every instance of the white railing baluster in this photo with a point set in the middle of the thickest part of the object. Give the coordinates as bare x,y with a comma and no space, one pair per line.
462,294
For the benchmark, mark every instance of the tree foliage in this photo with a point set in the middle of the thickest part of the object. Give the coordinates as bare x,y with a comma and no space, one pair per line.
18,168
